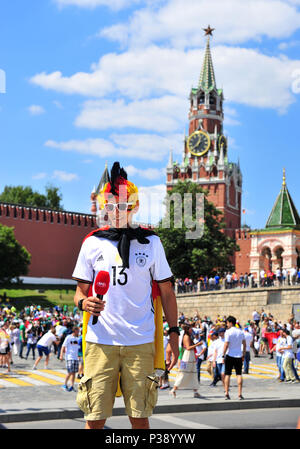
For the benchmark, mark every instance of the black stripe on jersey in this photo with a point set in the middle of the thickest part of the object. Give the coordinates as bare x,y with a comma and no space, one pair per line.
165,280
84,281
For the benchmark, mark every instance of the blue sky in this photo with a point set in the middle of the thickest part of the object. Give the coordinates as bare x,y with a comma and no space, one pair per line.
94,81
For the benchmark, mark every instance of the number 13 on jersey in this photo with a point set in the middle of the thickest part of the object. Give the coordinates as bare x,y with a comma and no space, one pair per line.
119,275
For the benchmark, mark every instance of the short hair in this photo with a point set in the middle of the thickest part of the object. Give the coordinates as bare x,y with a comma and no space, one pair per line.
231,319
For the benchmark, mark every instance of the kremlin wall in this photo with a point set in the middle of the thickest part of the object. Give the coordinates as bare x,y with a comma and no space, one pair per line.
52,238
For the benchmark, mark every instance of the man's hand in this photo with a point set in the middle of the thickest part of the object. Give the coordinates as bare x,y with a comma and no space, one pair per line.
172,351
93,305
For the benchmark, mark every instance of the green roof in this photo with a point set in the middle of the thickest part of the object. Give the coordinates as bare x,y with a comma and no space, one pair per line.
284,213
207,80
104,179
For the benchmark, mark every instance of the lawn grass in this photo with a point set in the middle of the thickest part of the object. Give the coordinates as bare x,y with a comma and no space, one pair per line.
44,296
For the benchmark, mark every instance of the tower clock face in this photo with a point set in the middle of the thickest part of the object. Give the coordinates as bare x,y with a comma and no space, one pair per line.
198,143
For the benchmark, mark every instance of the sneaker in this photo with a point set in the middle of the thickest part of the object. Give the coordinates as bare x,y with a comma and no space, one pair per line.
65,388
34,367
71,389
241,397
172,393
197,395
212,385
164,387
227,397
288,381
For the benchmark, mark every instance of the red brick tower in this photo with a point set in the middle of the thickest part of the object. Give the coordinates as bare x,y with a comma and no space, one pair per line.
205,157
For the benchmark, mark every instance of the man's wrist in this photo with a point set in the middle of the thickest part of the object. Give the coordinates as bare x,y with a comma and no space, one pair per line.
174,329
80,304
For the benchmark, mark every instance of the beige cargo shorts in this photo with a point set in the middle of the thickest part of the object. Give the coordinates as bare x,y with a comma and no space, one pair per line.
103,366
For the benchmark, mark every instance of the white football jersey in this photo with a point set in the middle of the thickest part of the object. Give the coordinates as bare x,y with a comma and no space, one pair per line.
128,317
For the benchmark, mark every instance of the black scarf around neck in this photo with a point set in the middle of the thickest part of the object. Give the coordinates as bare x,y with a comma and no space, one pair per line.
123,236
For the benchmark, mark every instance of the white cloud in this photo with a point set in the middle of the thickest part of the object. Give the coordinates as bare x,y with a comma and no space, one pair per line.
179,23
35,109
165,114
41,175
230,117
64,176
150,147
250,78
148,173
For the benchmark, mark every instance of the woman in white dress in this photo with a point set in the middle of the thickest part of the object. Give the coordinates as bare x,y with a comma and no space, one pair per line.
187,371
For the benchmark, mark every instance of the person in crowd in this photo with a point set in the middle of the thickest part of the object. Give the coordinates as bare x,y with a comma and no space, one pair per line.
256,317
264,347
280,343
43,346
22,339
210,353
288,356
31,335
218,360
186,376
80,358
249,341
200,352
15,336
69,349
234,353
5,349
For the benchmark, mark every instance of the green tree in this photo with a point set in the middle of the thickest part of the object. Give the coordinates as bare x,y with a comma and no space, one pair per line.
202,256
15,259
26,196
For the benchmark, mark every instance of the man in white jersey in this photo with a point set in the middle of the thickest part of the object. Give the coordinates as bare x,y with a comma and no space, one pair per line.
70,349
234,352
44,345
122,340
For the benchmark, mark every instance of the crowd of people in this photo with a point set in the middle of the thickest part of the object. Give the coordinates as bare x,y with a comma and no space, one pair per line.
38,333
204,339
229,280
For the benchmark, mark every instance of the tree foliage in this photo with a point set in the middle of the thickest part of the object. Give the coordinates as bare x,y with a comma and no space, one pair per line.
202,256
26,196
15,259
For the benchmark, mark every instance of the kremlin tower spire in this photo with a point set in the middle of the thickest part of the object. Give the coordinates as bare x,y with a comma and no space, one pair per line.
207,80
205,152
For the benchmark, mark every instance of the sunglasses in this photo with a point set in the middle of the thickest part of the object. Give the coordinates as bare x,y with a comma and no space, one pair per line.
122,207
74,342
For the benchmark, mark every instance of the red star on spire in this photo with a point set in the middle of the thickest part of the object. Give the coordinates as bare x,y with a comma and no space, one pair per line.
208,31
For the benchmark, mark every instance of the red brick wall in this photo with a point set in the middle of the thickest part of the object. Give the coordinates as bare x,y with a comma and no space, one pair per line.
242,257
53,240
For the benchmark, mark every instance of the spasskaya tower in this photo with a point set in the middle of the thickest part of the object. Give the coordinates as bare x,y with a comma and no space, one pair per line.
205,153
